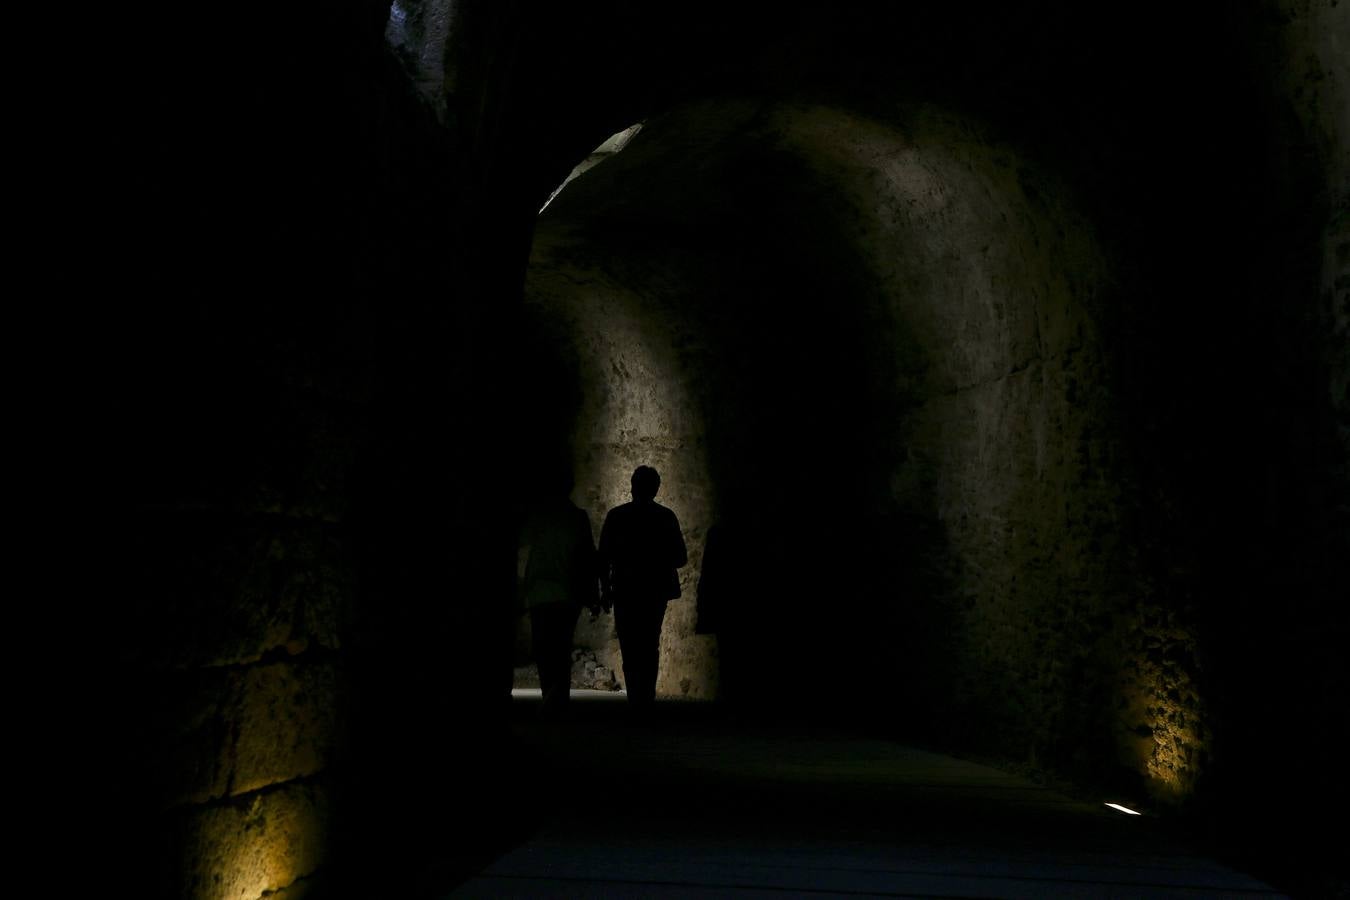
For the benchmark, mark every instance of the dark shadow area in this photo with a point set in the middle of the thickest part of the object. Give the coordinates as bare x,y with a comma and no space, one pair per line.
707,799
301,388
791,359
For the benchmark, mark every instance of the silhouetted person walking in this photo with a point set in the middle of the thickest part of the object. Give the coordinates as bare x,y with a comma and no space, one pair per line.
641,546
560,578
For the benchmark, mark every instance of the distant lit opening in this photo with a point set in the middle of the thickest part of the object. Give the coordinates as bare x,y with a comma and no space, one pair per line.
1126,810
612,145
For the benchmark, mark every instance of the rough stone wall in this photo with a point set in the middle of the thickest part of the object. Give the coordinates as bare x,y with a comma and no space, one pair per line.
1305,67
676,324
1009,446
270,174
231,598
1313,77
1189,511
1276,619
234,392
233,666
1313,64
975,398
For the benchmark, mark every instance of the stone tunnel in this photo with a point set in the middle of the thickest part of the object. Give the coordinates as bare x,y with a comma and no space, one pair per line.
1011,341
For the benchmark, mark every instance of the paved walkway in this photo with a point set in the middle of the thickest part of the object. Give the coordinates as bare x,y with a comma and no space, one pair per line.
693,805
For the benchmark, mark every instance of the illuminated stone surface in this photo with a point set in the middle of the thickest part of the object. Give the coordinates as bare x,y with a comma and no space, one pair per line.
259,843
959,380
195,763
236,730
284,721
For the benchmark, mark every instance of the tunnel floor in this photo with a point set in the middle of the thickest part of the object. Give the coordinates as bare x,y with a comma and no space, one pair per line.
699,803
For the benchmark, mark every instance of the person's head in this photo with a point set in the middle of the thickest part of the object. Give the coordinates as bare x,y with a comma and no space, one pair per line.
646,482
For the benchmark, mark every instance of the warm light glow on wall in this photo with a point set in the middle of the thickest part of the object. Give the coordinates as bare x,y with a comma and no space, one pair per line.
244,850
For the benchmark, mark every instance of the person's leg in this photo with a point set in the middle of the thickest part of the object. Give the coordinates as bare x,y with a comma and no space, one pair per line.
553,625
539,644
632,646
623,624
639,627
656,615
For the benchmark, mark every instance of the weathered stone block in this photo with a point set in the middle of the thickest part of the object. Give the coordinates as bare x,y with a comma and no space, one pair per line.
187,734
224,592
230,731
284,719
210,594
243,849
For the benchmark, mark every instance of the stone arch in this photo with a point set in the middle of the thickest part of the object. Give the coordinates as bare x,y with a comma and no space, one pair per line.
944,467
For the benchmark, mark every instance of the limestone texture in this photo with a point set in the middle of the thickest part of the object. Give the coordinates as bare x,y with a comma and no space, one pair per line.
262,842
876,346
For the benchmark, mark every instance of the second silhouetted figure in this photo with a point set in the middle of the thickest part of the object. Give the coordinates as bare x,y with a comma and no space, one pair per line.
641,546
559,580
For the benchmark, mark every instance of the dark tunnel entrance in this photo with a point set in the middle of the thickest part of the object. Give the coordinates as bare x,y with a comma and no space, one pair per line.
1010,349
867,350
